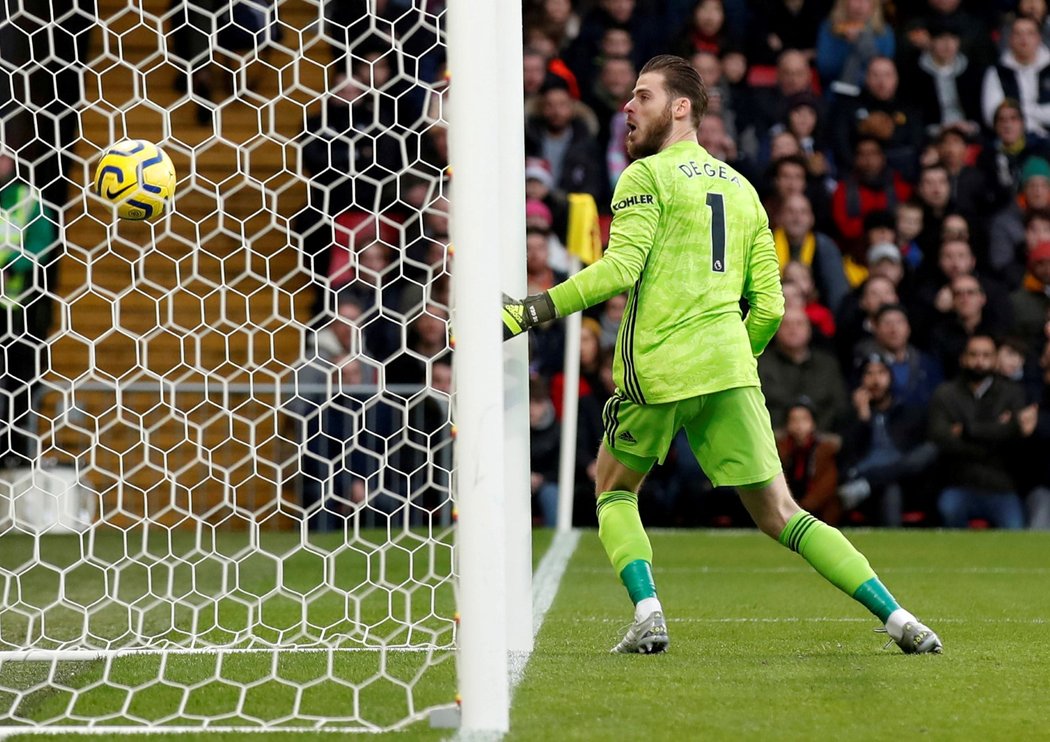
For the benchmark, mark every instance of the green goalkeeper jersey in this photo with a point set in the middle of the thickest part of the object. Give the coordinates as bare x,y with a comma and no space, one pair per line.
689,238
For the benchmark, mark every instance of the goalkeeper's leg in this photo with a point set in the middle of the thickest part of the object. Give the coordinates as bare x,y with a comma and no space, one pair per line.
623,536
835,558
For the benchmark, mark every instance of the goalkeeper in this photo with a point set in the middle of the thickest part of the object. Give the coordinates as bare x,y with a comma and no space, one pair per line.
689,238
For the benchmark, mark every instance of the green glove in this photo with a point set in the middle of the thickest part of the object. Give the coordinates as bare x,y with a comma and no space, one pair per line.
520,315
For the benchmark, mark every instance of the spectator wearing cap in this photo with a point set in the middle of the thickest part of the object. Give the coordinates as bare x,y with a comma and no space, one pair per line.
915,373
1031,302
1007,149
808,455
943,84
870,186
1006,230
796,240
562,138
884,451
966,319
538,216
884,259
792,368
1022,73
879,112
977,420
539,186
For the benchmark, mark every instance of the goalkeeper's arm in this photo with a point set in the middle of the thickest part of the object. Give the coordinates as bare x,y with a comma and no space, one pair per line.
520,315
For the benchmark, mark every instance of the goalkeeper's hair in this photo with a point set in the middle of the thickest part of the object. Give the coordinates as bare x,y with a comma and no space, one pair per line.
681,81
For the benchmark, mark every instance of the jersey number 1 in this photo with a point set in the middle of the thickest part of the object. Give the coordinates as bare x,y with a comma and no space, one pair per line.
716,202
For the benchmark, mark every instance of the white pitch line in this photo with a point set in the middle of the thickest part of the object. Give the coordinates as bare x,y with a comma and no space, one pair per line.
115,731
545,584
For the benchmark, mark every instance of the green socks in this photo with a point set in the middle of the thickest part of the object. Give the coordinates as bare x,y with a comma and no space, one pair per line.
621,533
836,559
825,548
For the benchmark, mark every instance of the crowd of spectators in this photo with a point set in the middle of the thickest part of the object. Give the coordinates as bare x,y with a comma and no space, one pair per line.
901,151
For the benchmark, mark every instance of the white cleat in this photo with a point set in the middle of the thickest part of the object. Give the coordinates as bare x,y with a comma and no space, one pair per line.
918,638
648,636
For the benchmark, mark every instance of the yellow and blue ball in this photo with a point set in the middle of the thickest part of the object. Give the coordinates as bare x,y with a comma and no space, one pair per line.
138,178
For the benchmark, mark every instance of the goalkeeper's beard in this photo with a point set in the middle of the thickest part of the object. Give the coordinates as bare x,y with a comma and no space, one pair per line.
654,138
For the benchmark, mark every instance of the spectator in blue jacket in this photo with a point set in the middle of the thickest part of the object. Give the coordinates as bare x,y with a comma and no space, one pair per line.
848,39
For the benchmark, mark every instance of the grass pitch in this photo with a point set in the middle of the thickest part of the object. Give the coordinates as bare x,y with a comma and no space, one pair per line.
762,647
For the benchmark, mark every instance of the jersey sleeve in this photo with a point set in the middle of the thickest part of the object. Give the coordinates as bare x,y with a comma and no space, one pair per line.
636,212
762,288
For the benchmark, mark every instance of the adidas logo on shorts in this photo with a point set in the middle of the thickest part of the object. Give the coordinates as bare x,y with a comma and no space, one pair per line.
626,437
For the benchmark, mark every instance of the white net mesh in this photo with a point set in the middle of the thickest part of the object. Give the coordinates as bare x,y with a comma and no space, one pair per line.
225,498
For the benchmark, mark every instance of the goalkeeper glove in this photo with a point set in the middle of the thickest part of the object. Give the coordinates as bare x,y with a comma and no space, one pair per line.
520,315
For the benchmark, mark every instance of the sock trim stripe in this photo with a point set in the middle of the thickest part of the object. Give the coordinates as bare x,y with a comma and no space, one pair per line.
803,519
617,495
801,531
790,528
801,527
608,498
789,531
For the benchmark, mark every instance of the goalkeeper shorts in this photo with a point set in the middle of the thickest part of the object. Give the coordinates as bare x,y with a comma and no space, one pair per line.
729,433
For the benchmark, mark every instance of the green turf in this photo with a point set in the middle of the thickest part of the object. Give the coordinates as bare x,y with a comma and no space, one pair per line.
761,648
224,589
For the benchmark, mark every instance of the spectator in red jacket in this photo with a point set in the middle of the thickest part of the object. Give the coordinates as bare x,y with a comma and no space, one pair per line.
871,186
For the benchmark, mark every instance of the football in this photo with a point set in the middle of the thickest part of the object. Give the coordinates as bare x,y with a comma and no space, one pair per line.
138,178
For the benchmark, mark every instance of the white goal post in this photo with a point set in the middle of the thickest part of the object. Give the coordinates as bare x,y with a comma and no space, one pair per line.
248,405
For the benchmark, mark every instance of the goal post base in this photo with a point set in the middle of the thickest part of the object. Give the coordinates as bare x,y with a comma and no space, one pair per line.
447,717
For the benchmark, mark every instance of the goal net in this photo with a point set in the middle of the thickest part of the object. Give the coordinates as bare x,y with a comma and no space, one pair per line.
226,441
